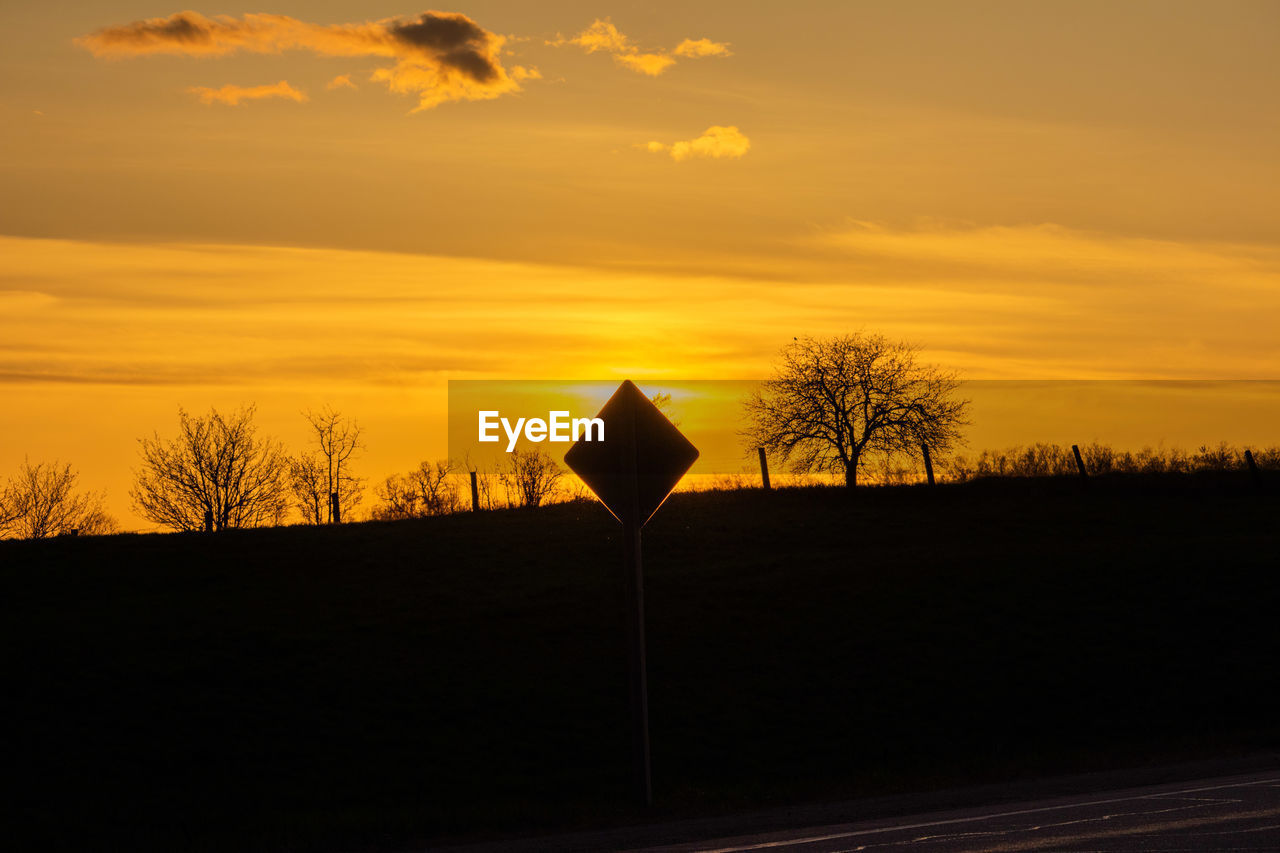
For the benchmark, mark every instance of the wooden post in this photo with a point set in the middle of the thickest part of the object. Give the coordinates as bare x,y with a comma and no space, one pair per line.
208,521
335,509
1253,468
475,493
1084,474
764,468
928,463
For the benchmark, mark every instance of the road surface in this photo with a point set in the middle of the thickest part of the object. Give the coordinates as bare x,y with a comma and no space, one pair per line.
1218,805
1225,814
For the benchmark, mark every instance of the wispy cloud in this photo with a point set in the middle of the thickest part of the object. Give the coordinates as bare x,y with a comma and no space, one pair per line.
715,142
702,47
1101,306
342,81
232,95
652,64
438,56
601,35
604,36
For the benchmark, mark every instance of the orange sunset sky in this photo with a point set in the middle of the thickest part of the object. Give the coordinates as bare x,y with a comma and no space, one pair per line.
296,203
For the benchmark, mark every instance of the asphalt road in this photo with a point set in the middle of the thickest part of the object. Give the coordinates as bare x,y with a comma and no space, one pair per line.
1223,814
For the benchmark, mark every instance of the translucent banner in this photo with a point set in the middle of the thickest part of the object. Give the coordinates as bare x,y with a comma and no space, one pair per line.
1161,416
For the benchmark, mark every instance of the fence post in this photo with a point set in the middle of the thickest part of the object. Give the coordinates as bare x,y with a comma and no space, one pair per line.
928,463
208,521
764,468
335,509
475,493
1084,474
1253,468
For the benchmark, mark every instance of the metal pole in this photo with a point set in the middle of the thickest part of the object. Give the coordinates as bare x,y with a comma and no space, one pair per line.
764,468
633,595
1084,474
637,680
928,463
475,493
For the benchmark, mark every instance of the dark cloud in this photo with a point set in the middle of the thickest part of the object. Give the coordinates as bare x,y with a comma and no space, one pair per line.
478,67
438,56
455,41
438,32
181,28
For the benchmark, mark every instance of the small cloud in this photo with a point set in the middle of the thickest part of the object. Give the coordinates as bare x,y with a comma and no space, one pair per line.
38,112
519,72
715,142
232,94
342,81
702,47
602,35
652,64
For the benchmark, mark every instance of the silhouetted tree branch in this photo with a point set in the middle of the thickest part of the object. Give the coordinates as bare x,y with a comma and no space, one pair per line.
317,475
530,477
310,485
663,403
7,514
832,402
217,464
429,489
41,501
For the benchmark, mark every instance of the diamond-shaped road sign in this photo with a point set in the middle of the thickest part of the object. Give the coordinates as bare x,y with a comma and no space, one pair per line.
641,459
632,471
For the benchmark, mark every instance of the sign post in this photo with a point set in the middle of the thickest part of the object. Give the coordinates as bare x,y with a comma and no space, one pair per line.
632,471
637,667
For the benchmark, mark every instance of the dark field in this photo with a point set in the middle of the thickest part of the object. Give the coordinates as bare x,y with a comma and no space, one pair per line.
381,686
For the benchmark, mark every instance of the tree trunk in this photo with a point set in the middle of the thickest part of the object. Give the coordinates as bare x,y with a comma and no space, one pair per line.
851,475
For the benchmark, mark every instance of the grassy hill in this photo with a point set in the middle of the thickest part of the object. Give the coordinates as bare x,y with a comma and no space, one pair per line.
382,685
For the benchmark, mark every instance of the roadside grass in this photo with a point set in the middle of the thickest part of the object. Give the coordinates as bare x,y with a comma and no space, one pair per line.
391,684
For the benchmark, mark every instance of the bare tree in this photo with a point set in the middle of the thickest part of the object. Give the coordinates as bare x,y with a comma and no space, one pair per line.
834,402
327,470
41,501
429,489
7,513
530,477
217,464
310,485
